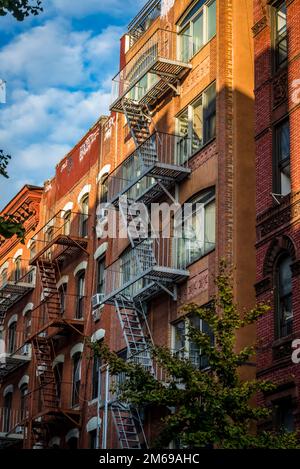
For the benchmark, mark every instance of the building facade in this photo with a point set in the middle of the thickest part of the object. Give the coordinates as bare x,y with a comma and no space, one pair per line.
180,132
277,44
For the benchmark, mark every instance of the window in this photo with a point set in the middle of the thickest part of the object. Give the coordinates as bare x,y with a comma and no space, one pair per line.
283,416
23,406
58,373
62,291
93,439
280,35
49,234
32,250
101,275
95,377
76,378
67,223
282,174
197,234
4,276
84,217
80,294
27,325
197,28
12,333
184,347
103,189
7,412
18,269
284,311
197,123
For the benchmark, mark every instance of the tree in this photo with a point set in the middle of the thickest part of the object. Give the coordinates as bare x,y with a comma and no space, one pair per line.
20,9
10,225
213,407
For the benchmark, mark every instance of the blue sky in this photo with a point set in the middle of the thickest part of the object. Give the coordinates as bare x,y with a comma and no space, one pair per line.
58,68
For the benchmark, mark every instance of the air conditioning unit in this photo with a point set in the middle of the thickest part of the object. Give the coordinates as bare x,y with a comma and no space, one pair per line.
96,314
97,300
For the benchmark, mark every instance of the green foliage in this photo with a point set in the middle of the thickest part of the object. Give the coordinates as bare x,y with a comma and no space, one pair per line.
9,225
20,9
4,160
211,408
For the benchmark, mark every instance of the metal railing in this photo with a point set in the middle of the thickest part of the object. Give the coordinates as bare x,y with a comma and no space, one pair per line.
162,45
72,307
67,396
133,270
143,20
14,344
18,271
64,224
167,149
11,420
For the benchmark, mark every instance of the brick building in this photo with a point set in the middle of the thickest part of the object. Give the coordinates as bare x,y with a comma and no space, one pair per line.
180,131
277,44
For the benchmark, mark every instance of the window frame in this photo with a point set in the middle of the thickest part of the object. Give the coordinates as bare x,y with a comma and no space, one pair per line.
184,25
84,217
100,284
12,337
280,298
80,293
276,39
76,382
189,111
278,164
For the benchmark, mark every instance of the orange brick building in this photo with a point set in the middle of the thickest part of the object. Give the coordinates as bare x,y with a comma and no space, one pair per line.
180,131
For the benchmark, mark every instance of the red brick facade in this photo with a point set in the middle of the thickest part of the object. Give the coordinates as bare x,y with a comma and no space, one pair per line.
277,215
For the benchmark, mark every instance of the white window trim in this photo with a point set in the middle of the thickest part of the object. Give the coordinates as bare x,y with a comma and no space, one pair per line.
104,171
82,266
55,441
8,389
24,380
98,335
4,267
76,348
13,319
63,281
74,433
100,250
92,424
28,307
67,208
19,253
57,360
84,191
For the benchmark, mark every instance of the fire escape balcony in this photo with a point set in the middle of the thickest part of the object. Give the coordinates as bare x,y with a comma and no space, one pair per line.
143,20
11,426
13,352
17,279
62,237
143,272
155,68
157,164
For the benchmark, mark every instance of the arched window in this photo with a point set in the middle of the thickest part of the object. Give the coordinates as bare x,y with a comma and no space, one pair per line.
18,269
84,216
283,303
103,189
12,336
23,402
62,291
4,276
80,292
27,325
76,378
58,373
7,412
67,223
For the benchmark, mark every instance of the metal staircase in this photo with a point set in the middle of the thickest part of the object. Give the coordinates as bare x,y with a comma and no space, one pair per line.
126,425
48,281
43,352
137,120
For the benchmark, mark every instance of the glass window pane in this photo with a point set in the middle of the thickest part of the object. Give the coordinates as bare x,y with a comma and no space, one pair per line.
212,20
179,339
197,33
284,141
209,113
210,226
197,140
185,41
281,23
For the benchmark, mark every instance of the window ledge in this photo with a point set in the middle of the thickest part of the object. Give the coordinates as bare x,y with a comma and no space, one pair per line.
202,148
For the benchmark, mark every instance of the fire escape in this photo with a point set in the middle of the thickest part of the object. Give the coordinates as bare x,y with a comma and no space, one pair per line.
58,242
159,162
